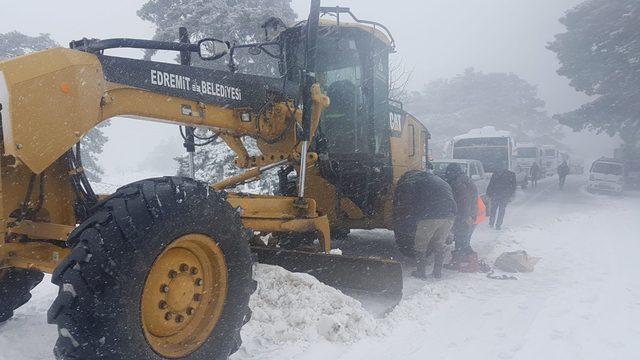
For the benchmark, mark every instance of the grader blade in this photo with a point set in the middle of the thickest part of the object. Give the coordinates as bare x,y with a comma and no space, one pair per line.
374,277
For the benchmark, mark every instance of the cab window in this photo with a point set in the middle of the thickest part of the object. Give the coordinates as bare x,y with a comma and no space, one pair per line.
344,121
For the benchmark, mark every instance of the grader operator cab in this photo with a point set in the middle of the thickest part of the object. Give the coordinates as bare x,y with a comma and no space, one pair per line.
161,269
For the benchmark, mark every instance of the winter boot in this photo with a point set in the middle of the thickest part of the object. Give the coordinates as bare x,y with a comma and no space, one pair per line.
469,263
438,262
421,266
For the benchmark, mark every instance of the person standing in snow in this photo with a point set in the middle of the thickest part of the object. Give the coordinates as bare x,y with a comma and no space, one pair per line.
563,171
465,194
435,210
535,174
501,189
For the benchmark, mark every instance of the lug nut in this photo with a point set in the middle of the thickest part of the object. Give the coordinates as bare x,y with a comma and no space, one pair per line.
197,297
164,288
184,267
172,274
191,311
168,316
194,271
179,318
163,305
199,282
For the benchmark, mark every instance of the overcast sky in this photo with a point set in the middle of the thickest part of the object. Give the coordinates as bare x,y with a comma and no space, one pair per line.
435,38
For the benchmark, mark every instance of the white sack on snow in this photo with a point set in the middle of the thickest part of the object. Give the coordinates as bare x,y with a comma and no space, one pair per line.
516,261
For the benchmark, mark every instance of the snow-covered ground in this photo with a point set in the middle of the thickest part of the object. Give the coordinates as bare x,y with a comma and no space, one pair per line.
582,301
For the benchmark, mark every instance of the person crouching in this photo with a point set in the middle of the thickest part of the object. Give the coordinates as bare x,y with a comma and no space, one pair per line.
436,213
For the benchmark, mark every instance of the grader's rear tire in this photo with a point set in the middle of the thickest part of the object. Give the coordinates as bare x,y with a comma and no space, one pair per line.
162,270
15,289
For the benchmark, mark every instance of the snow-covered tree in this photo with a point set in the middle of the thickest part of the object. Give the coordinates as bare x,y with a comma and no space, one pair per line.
473,99
237,21
14,44
214,162
600,54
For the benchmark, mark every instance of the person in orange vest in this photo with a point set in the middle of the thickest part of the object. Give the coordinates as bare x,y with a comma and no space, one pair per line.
482,211
465,193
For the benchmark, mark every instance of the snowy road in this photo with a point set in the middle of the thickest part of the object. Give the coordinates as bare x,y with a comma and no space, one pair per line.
582,302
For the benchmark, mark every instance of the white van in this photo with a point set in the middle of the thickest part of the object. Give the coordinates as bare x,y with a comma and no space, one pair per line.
473,169
606,175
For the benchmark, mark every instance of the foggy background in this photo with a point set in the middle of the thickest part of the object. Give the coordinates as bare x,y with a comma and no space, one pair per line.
435,39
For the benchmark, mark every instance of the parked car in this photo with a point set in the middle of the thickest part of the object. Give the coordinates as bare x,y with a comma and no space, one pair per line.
606,175
473,168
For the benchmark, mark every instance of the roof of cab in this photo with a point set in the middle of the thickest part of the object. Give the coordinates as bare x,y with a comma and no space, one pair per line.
370,29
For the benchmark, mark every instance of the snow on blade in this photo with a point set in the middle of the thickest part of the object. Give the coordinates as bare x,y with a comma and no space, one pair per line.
294,307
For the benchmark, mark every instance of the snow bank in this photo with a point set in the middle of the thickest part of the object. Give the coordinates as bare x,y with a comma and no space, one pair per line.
292,307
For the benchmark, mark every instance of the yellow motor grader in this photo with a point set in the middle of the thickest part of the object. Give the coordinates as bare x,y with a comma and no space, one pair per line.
162,268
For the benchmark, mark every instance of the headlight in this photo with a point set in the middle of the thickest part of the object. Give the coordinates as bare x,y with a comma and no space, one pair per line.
592,177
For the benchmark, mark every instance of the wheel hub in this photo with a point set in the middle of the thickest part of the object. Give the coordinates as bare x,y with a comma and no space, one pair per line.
183,295
181,292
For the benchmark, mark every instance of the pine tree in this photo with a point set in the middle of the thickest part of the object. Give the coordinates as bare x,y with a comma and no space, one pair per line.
237,21
600,54
215,162
473,99
14,44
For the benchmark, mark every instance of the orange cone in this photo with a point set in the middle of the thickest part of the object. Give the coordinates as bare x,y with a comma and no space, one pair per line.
482,212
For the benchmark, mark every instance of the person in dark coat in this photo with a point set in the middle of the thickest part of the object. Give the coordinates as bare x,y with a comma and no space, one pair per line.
465,193
434,209
563,171
535,174
501,189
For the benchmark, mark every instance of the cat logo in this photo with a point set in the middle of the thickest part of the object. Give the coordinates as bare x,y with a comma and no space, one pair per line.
395,122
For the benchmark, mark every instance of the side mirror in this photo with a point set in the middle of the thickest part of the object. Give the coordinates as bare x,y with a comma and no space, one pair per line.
212,49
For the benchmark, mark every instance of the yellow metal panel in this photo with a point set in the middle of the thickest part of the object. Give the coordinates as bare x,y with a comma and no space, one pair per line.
53,100
42,230
41,256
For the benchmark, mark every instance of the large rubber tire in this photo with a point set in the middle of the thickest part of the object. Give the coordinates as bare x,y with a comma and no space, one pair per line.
98,308
15,289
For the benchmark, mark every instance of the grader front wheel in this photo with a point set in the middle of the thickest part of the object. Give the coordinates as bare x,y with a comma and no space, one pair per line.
184,295
162,270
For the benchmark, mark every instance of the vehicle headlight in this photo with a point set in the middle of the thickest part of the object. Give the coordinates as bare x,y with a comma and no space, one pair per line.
592,177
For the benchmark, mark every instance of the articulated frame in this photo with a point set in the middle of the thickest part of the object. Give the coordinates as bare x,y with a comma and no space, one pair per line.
260,213
70,88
